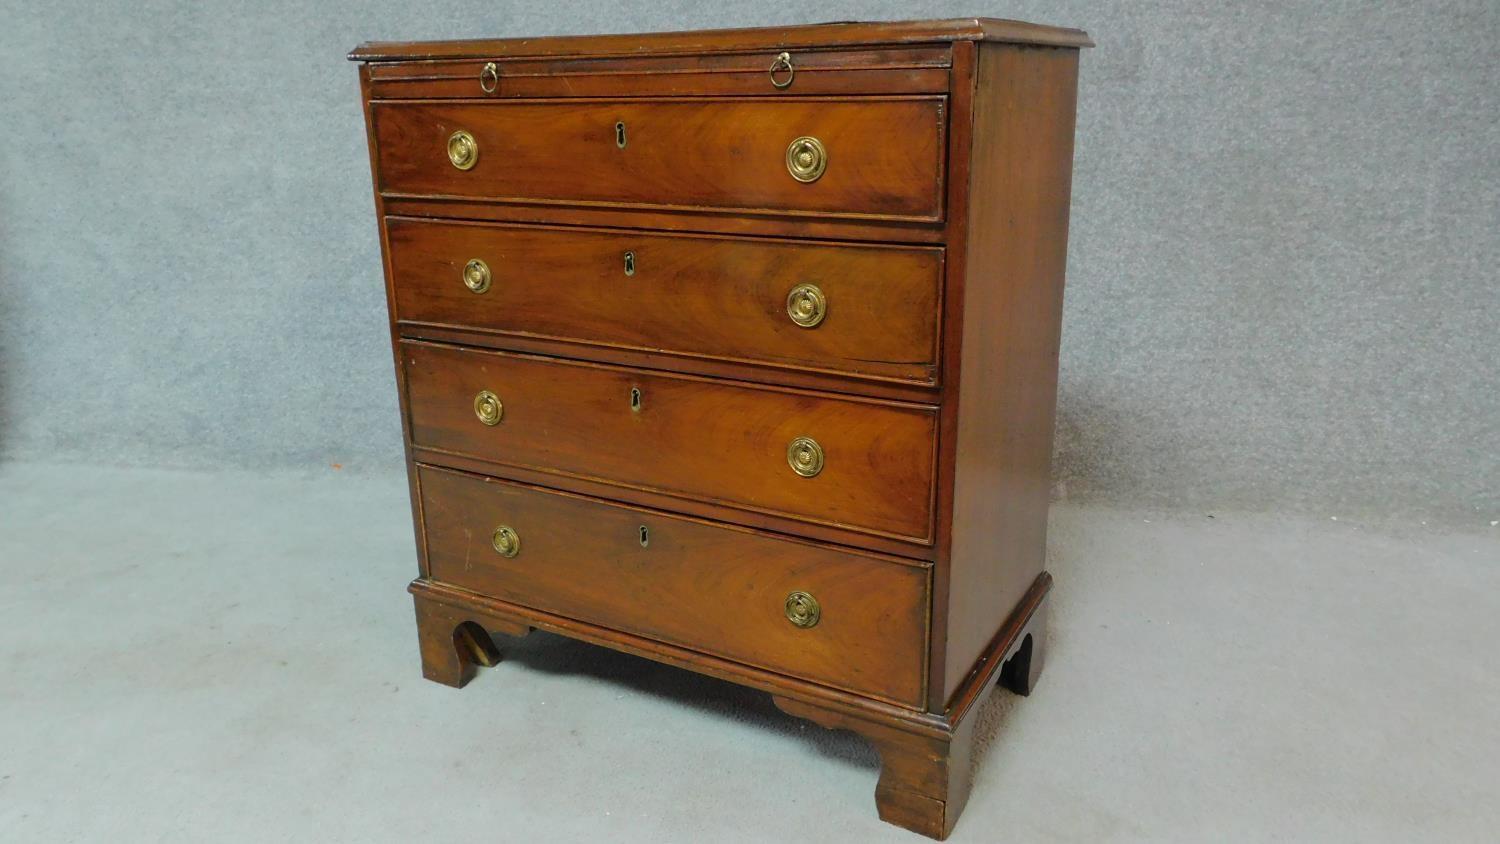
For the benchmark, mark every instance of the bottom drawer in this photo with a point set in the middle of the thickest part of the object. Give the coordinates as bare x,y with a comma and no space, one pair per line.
718,589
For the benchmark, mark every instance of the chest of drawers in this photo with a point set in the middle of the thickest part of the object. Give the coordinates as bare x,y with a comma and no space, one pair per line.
738,350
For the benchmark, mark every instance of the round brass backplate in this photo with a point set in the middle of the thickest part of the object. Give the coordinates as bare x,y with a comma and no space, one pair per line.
805,456
463,150
506,542
803,610
488,408
477,275
806,305
806,159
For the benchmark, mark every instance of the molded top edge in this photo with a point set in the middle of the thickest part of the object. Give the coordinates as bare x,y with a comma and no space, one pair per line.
841,34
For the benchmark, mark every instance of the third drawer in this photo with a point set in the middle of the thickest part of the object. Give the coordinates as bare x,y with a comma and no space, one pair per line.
859,464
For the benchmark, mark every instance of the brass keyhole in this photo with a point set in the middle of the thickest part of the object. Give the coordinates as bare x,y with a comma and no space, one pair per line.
620,135
645,536
630,263
635,399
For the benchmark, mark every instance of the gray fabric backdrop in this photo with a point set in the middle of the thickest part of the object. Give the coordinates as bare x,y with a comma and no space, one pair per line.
1281,292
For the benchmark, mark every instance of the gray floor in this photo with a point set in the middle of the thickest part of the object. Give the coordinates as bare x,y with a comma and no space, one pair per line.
221,657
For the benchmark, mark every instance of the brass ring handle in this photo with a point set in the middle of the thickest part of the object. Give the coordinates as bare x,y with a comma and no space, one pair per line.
477,276
489,78
805,456
783,63
806,305
806,159
803,610
488,408
463,150
506,541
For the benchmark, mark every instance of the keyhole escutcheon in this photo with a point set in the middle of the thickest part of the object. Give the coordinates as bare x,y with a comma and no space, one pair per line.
620,134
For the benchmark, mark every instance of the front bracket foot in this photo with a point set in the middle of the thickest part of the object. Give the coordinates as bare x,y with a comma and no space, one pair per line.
456,642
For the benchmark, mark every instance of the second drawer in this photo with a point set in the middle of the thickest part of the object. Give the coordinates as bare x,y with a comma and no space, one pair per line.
861,464
858,310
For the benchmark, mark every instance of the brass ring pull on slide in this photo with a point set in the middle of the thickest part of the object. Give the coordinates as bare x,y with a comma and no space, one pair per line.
463,150
783,63
489,78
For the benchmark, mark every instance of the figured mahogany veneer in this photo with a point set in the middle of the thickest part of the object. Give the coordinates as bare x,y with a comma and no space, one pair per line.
711,440
706,297
678,153
623,426
697,584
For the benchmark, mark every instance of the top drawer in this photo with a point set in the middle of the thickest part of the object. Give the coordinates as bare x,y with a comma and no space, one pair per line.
867,158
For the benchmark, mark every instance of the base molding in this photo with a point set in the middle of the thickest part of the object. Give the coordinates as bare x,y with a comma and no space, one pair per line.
497,616
925,777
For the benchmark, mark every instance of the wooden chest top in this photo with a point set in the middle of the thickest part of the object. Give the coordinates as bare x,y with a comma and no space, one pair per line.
843,34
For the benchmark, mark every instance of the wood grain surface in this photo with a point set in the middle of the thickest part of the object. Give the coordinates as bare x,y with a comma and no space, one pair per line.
884,155
905,71
1011,323
719,589
702,296
701,438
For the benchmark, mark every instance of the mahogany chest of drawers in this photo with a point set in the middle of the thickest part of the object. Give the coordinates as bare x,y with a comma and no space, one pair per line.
738,350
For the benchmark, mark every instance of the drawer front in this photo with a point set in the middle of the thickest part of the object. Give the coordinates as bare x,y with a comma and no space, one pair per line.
704,586
857,310
883,157
717,441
